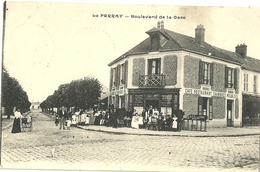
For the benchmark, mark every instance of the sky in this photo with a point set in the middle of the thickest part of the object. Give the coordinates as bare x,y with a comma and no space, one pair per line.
47,44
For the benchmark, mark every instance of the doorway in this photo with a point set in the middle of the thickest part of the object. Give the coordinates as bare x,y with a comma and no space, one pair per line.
230,122
154,103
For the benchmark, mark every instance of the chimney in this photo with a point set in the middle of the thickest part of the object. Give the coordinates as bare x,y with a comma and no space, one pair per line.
162,25
241,50
199,34
158,25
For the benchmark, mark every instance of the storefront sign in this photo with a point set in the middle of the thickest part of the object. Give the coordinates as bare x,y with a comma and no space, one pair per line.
199,92
209,93
119,92
232,95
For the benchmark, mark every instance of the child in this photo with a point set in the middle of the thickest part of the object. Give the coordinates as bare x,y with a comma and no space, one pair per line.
68,124
57,120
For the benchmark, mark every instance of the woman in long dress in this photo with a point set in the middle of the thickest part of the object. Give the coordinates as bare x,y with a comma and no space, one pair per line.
135,118
17,123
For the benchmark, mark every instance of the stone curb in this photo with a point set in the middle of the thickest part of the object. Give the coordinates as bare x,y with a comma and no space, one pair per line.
9,125
150,134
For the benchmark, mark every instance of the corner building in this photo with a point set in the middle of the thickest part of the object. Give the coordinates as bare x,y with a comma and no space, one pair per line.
171,71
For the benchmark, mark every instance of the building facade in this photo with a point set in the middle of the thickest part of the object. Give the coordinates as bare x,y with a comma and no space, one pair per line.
171,71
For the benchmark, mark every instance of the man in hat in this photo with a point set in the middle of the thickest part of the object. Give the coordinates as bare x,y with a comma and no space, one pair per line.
62,117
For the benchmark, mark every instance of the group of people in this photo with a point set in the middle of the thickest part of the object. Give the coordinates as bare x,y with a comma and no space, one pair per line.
63,118
112,117
152,115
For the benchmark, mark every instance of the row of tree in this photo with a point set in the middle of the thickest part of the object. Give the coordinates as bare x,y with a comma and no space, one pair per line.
13,94
82,93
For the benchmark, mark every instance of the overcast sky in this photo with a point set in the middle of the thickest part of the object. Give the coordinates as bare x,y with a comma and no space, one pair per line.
48,44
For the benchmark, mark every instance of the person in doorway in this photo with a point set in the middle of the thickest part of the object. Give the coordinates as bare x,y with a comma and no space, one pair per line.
17,122
62,117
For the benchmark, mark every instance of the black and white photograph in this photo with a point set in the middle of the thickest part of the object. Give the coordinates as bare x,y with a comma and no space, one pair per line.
130,87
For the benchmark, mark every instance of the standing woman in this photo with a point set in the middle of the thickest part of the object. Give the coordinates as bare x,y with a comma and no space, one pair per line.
17,123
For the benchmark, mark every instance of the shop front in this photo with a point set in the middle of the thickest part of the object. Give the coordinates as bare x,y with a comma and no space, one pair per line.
251,110
164,100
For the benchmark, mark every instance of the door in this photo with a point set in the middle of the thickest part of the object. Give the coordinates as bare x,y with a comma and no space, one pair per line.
230,122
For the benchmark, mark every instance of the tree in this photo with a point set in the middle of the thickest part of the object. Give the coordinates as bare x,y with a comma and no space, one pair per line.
13,94
78,93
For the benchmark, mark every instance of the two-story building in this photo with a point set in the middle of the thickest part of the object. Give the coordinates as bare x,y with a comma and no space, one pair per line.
250,90
172,71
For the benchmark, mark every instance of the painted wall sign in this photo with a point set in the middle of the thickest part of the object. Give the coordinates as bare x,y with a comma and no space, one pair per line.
209,93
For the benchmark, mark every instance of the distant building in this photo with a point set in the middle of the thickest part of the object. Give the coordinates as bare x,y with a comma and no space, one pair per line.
172,71
35,105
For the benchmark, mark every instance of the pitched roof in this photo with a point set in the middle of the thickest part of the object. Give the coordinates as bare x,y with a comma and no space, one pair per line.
251,64
176,41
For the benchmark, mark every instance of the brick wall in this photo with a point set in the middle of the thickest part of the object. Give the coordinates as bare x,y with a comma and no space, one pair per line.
190,104
170,69
218,108
138,69
218,78
191,72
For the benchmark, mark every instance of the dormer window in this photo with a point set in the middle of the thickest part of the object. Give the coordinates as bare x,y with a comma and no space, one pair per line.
155,42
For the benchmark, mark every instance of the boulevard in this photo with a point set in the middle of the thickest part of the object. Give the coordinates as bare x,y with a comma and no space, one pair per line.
79,149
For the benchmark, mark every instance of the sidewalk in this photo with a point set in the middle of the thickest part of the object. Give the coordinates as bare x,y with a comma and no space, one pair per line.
211,132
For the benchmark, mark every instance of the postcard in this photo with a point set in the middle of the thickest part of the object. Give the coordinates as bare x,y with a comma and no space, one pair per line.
130,87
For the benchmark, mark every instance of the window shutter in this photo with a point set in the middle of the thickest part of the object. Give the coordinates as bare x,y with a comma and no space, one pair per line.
200,101
210,109
111,78
126,73
149,67
235,79
226,77
118,75
211,74
159,66
123,74
200,72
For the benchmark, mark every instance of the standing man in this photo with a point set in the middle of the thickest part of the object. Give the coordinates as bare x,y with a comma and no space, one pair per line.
62,117
114,116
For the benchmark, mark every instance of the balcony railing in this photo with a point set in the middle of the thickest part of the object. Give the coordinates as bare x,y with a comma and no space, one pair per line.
152,81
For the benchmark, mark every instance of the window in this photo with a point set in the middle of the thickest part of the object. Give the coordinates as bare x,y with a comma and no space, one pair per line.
255,83
205,107
245,82
230,77
154,66
205,73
